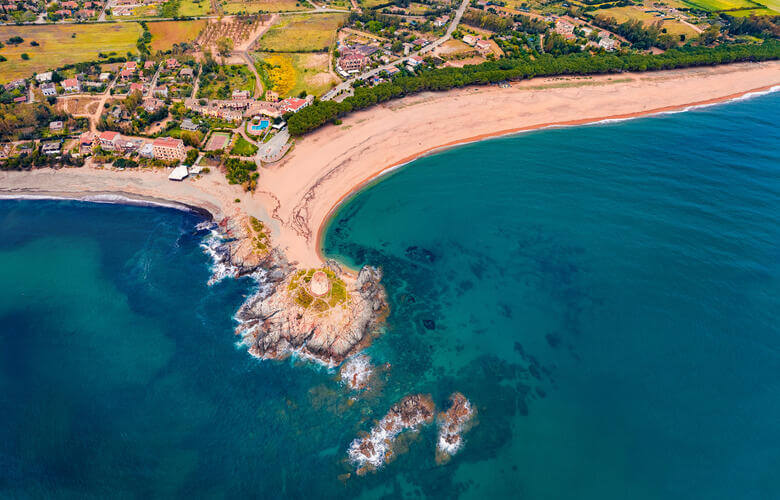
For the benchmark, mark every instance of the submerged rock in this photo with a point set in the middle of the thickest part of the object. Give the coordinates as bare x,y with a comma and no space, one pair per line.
452,424
376,448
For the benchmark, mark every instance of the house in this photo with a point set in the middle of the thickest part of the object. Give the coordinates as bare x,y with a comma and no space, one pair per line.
131,65
148,64
441,21
151,104
56,126
293,104
392,71
63,13
271,96
483,46
352,61
168,148
51,148
564,28
171,63
186,72
20,99
71,85
161,91
136,87
188,124
48,89
125,74
69,5
240,94
109,140
470,40
146,151
414,61
104,77
16,84
608,44
43,77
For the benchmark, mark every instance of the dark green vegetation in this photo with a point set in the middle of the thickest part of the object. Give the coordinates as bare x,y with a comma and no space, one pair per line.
322,112
241,172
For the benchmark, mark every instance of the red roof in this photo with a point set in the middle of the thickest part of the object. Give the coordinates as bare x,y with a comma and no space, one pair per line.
130,65
20,99
293,103
168,142
109,135
136,86
70,82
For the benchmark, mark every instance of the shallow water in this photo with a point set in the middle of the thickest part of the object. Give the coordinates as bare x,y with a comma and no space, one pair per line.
607,297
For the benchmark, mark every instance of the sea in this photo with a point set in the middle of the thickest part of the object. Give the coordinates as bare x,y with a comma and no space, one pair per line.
607,297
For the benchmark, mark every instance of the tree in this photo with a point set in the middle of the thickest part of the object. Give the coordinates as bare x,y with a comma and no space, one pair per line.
224,46
25,56
709,35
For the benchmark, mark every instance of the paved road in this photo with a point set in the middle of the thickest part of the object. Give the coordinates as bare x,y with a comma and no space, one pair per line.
367,74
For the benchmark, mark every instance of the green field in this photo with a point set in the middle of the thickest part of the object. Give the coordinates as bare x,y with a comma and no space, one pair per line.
221,84
302,33
623,14
718,5
58,46
167,33
307,71
242,147
252,6
194,8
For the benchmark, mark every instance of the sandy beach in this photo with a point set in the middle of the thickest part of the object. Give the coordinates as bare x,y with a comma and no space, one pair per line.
297,195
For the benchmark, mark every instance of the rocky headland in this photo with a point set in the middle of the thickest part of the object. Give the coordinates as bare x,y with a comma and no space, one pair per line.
323,314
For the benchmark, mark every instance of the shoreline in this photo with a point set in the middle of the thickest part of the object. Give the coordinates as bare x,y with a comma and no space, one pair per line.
114,198
298,197
396,166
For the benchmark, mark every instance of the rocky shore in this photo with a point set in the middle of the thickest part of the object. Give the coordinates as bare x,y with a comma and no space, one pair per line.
452,424
376,448
321,314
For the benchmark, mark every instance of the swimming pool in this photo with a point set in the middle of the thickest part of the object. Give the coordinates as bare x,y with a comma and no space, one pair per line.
258,127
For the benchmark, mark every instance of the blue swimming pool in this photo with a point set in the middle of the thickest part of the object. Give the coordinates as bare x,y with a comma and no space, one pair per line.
259,127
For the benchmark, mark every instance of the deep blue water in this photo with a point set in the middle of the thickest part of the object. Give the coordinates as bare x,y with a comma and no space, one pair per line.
607,296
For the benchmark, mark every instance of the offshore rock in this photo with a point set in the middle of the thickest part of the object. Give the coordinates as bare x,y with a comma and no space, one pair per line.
356,372
291,318
452,424
376,448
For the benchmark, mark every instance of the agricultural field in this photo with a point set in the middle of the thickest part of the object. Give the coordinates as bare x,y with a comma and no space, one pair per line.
673,27
61,44
240,30
454,49
167,33
194,8
222,83
290,74
718,5
252,6
370,4
302,33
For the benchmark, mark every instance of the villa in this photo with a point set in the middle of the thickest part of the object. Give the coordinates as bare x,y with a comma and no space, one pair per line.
71,85
109,140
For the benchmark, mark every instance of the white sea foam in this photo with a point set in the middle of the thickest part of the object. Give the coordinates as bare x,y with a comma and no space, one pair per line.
356,372
450,439
380,438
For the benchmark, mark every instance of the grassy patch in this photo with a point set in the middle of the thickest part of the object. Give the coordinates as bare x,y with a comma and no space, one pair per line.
242,147
57,46
673,27
289,74
261,239
221,84
336,296
302,33
167,33
252,6
716,5
194,8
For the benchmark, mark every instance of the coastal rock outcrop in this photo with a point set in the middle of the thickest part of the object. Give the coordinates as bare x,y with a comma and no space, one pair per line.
371,451
452,424
314,313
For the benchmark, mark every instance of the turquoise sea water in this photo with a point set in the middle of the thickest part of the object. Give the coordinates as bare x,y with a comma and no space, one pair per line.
607,296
